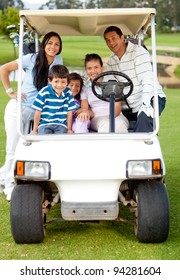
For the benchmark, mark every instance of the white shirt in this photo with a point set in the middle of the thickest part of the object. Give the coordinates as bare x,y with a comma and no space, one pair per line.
98,106
136,64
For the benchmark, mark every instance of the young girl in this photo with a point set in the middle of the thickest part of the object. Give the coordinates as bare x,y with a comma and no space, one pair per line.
81,117
100,121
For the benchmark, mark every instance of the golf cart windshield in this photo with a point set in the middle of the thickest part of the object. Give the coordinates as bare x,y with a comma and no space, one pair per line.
91,22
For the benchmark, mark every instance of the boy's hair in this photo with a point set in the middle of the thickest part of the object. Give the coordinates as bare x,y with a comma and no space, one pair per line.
58,71
113,28
92,56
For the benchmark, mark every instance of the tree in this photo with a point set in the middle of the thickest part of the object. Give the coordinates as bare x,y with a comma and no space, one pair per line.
4,4
91,4
167,10
63,4
8,17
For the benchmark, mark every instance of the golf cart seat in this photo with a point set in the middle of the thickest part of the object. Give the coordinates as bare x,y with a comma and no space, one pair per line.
126,110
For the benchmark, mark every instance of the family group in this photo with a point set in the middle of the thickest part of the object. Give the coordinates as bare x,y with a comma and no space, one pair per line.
62,102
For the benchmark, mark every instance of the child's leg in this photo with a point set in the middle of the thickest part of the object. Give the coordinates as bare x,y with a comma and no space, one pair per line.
81,126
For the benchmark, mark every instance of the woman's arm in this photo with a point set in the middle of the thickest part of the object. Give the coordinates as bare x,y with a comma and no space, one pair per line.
5,70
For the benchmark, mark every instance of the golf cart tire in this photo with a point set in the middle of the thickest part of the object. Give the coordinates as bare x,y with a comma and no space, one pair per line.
152,221
26,214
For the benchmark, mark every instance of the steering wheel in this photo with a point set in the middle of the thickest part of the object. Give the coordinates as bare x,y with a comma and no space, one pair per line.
112,91
112,87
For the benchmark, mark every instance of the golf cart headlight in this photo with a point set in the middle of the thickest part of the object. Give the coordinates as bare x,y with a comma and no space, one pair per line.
30,169
143,168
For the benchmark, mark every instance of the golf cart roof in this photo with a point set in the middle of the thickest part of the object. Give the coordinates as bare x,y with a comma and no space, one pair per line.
75,22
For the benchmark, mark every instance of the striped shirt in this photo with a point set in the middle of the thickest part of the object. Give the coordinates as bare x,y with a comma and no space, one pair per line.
54,108
28,62
136,64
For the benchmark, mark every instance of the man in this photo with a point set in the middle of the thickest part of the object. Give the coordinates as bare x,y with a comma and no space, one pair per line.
134,61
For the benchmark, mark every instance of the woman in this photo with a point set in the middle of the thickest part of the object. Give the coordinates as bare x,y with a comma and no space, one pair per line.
36,67
100,122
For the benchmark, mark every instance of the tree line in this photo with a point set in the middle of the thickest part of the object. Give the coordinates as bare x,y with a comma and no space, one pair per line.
167,18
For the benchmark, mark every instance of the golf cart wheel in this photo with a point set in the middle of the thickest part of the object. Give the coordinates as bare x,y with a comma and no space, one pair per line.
152,217
26,216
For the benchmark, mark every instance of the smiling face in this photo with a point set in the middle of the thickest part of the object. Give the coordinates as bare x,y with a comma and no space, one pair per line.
58,84
75,86
52,47
114,42
93,68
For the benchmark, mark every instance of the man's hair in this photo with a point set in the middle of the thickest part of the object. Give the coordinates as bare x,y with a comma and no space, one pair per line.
113,28
58,71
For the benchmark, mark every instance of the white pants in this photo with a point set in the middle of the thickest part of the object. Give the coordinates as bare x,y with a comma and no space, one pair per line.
79,126
101,124
12,137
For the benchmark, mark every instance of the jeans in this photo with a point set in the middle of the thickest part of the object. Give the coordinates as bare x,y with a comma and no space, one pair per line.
52,129
145,123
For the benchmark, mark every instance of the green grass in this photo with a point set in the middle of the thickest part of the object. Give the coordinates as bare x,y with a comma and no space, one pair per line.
75,48
107,240
168,39
74,51
177,72
6,51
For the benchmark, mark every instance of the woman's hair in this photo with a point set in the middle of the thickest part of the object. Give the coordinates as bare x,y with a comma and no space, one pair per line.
92,56
40,70
75,76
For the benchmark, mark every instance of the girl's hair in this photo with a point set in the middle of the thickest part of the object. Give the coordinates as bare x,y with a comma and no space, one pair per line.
92,56
58,71
40,70
75,76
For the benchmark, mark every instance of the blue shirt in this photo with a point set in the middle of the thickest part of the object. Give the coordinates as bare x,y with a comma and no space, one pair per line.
28,87
54,108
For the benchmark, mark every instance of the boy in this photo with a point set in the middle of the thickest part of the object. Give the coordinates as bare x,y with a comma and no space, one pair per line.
54,104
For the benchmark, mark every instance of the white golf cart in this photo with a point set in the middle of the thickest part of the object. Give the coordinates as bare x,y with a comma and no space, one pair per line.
109,169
